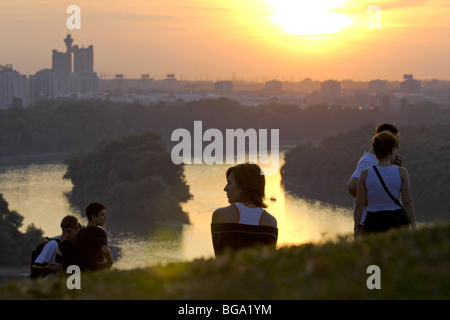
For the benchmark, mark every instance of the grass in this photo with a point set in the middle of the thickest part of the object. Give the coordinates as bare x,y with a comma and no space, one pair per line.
413,265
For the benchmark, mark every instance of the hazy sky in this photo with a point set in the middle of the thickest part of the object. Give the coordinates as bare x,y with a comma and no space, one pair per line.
253,39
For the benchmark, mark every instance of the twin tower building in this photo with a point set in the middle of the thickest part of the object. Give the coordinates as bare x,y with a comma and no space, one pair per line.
83,58
72,73
75,69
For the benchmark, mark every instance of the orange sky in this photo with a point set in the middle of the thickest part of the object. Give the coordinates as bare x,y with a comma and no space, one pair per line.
251,39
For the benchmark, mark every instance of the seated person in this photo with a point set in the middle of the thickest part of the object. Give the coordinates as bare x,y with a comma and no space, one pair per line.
244,222
66,254
46,263
91,243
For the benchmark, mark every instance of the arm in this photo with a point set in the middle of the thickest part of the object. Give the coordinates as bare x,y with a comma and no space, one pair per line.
407,202
45,262
108,255
360,198
352,186
366,161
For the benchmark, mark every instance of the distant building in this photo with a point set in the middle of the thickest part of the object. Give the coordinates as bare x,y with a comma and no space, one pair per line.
407,77
377,86
330,92
409,85
331,88
82,82
223,88
170,83
83,59
61,62
13,88
273,86
44,84
62,79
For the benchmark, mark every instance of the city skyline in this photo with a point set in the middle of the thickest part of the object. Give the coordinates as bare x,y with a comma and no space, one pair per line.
221,40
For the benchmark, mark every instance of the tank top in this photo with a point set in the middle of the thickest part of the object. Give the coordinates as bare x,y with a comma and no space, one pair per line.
248,215
379,200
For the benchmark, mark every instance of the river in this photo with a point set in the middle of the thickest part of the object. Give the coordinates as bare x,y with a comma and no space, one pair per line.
37,192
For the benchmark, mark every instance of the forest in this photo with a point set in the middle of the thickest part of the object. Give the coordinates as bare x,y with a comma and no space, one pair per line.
66,126
135,177
16,245
322,171
120,151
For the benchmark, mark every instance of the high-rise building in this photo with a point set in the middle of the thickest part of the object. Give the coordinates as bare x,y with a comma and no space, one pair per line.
378,86
410,85
273,86
83,59
13,88
62,61
66,77
223,88
60,80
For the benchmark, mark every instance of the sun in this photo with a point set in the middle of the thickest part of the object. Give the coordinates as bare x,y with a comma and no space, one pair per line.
309,17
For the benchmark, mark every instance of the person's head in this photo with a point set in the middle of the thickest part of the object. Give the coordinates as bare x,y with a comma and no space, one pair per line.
70,227
387,127
96,213
384,144
245,183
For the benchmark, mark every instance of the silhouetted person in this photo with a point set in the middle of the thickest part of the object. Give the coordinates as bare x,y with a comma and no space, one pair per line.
383,211
245,222
46,264
91,242
66,253
368,160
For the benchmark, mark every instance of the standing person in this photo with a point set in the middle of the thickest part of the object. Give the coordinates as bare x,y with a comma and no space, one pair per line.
383,212
245,222
368,160
91,243
66,254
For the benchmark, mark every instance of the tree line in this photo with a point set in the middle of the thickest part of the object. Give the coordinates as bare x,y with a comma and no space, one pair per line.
135,178
16,245
65,126
322,171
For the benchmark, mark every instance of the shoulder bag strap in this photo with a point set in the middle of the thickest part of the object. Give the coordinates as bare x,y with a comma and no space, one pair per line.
385,188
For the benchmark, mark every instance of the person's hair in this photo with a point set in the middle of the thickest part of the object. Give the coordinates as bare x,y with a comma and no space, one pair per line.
387,126
93,209
251,181
69,222
383,143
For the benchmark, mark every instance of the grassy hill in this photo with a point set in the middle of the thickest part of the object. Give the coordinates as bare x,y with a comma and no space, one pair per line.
413,265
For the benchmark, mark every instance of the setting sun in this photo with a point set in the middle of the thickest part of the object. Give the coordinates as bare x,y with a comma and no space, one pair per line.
309,18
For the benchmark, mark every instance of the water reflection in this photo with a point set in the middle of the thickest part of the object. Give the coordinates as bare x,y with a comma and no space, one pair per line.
162,246
37,193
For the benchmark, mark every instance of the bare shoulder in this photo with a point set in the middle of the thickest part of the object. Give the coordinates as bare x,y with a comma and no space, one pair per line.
363,175
403,172
269,220
227,214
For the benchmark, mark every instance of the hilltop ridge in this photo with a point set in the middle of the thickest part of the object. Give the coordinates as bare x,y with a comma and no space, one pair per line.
413,265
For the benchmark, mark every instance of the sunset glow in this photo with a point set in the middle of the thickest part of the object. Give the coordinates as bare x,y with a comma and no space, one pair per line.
309,17
250,39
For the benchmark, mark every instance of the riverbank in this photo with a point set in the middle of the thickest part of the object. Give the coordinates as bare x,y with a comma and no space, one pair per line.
40,158
412,265
19,273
